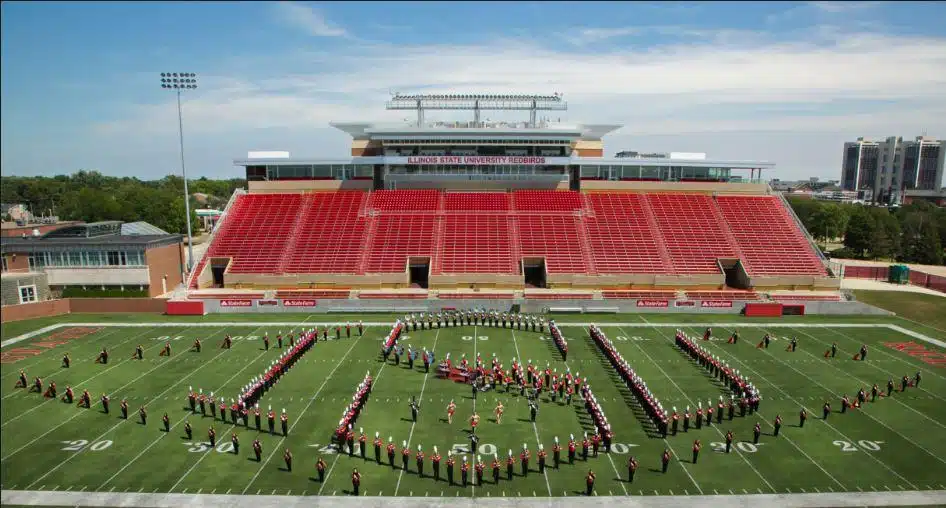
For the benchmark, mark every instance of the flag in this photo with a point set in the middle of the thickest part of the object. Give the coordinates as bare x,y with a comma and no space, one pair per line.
856,356
827,353
164,352
761,343
789,348
99,359
731,340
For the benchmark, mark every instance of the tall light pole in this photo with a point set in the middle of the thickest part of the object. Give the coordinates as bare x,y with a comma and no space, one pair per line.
179,81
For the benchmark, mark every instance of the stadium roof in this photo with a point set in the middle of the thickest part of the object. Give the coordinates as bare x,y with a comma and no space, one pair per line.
111,234
368,130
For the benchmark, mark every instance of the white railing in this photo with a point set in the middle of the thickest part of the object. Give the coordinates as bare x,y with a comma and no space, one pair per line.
814,245
220,223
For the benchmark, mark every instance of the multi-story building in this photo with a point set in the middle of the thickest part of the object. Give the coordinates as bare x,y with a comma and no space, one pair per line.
92,257
888,171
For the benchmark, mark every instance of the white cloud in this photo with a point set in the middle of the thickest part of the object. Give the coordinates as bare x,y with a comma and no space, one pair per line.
592,35
722,88
309,19
842,7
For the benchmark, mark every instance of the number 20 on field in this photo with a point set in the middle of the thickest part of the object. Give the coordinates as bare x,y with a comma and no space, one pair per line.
863,444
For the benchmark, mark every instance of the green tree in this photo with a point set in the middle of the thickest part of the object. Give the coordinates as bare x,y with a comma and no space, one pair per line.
859,232
921,241
885,238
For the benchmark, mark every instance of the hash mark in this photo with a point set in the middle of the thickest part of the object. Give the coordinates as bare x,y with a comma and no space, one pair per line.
816,490
229,490
258,491
671,492
41,486
113,489
199,490
83,488
803,490
274,492
182,492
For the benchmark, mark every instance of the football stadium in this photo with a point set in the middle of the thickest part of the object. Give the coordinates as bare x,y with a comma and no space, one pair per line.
485,312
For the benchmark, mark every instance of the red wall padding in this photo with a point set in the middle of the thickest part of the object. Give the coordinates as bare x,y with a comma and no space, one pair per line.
763,309
185,308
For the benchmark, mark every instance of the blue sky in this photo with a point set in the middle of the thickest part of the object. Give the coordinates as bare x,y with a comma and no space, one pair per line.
784,82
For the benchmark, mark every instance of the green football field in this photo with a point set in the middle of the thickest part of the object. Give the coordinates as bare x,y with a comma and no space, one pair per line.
892,444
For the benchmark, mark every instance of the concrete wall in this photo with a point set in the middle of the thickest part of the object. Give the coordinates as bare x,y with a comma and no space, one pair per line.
531,306
97,276
12,313
10,285
17,262
675,187
81,305
290,186
165,264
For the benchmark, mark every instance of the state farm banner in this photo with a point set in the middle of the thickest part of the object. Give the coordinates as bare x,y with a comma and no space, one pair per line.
716,304
480,160
685,303
266,303
236,303
299,303
653,304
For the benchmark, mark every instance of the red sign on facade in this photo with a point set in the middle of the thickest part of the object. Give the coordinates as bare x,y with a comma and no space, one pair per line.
685,303
236,303
266,303
299,303
716,304
653,303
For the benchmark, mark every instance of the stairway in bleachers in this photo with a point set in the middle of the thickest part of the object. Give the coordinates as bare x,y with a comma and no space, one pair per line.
353,232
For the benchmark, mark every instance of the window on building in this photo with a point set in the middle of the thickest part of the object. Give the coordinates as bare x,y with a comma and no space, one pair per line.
27,294
75,259
113,258
4,258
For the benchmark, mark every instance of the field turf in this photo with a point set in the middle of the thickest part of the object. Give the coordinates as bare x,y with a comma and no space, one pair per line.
890,445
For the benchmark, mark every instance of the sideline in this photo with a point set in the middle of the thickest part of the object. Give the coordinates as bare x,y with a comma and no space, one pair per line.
636,324
49,498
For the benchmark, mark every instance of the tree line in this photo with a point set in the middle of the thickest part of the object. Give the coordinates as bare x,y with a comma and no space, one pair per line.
914,233
90,196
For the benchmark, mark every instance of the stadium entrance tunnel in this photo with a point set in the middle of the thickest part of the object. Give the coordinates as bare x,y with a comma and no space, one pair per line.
534,271
736,276
419,272
218,267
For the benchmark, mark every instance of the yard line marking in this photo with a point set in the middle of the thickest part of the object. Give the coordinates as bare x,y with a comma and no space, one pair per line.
695,484
229,491
685,396
816,490
258,491
671,492
896,399
715,492
78,413
184,492
895,357
296,422
777,387
905,438
288,492
768,423
536,429
152,400
200,490
41,404
414,424
224,385
40,358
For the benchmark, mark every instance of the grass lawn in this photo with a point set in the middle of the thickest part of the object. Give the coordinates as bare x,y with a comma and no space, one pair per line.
922,308
892,444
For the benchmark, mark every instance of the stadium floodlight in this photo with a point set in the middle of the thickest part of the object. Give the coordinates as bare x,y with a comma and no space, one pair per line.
179,81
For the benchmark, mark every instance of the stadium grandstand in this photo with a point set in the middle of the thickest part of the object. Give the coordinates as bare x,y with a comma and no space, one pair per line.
481,209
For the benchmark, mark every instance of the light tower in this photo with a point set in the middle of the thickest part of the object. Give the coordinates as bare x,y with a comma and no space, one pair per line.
177,82
477,103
